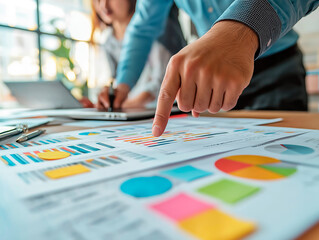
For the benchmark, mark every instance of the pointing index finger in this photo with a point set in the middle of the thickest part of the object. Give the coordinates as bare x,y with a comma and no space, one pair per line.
167,95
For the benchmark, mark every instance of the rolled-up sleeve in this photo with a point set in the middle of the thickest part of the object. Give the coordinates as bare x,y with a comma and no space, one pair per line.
270,19
146,25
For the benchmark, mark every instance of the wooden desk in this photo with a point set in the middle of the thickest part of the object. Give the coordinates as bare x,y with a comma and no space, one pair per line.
290,119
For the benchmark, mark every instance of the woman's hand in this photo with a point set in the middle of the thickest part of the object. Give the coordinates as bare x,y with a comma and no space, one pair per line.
121,93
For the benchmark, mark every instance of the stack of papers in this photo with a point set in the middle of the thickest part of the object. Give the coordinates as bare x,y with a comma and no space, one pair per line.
207,178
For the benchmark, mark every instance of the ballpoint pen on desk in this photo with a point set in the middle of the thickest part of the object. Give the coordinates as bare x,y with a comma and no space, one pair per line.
15,131
27,136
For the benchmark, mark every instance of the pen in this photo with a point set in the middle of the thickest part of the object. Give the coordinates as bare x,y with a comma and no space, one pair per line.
27,136
111,97
13,132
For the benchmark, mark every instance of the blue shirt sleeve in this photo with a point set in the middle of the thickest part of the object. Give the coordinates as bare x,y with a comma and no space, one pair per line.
146,25
270,19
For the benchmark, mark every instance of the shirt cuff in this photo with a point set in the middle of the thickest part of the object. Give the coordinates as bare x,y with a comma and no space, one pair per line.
260,16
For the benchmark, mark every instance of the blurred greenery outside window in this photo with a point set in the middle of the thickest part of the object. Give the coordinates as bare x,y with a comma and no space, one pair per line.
46,40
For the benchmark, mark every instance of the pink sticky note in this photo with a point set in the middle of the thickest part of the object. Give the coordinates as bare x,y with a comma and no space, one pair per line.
181,207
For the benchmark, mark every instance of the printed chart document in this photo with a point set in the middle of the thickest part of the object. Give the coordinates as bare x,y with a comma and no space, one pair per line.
70,158
121,182
234,195
303,149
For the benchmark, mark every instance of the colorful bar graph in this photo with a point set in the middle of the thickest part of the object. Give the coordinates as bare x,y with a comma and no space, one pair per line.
36,143
19,159
97,163
168,137
88,147
105,145
7,161
34,158
68,170
69,151
81,150
12,145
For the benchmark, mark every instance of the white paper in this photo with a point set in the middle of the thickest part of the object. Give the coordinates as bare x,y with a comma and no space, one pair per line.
99,210
303,149
33,122
219,121
178,144
94,124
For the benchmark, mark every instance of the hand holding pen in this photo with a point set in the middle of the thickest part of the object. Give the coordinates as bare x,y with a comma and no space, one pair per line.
111,97
119,95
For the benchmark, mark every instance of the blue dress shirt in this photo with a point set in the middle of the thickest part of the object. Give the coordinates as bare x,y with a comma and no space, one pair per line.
272,20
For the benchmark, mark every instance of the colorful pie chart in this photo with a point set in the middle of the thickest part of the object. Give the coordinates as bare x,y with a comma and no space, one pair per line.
289,149
89,133
255,167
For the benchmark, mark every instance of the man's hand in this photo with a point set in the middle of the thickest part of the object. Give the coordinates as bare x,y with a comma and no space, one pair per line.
121,93
209,74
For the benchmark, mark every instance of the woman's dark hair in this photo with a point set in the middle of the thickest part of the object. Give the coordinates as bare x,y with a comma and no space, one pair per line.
132,6
97,21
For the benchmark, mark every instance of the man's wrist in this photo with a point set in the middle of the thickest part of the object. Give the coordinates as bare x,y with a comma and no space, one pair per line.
242,36
260,16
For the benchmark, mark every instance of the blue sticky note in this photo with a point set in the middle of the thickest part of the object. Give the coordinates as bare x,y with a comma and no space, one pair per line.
186,173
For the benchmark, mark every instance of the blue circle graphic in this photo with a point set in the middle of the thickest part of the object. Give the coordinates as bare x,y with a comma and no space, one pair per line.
141,187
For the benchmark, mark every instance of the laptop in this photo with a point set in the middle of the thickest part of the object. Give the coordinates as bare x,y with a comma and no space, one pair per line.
94,114
53,99
117,115
43,95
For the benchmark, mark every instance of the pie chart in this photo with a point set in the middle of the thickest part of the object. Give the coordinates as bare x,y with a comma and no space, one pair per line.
255,167
289,149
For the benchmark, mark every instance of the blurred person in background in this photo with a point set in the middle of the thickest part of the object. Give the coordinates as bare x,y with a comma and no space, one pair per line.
112,17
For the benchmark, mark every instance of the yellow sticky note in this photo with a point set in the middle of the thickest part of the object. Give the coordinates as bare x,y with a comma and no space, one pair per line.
216,225
54,155
66,171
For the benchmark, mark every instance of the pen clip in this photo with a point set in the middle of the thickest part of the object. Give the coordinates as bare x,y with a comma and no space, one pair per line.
23,127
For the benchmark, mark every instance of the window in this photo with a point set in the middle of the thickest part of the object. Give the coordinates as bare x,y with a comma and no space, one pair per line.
44,40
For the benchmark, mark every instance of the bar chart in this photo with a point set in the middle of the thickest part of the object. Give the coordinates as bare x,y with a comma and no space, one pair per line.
42,141
117,158
32,157
168,137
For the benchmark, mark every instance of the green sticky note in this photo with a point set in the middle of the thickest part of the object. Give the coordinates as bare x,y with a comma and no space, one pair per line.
228,191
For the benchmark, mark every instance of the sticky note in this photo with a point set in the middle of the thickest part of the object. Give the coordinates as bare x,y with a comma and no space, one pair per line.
216,225
53,155
180,207
186,173
66,171
228,191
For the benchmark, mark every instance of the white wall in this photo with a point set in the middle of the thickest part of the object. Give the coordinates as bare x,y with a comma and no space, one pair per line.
308,28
